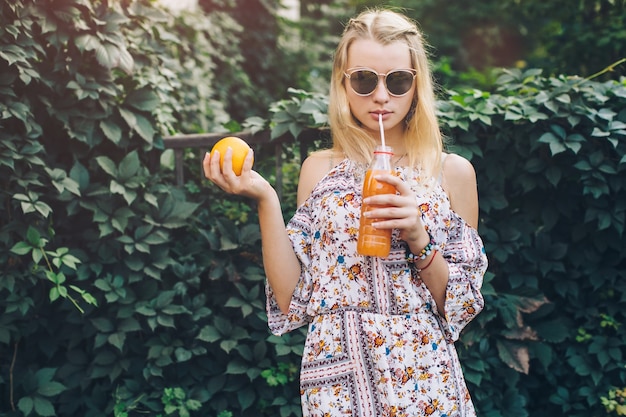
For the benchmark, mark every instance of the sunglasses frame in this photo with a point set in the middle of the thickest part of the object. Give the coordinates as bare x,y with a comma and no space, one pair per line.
348,73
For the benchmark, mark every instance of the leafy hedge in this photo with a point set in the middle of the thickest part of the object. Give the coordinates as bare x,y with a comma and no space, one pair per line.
550,155
123,295
111,301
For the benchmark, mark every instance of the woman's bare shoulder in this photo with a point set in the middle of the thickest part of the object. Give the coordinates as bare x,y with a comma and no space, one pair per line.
314,168
457,168
459,181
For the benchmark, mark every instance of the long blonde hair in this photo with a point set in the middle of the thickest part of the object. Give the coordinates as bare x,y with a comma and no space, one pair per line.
422,139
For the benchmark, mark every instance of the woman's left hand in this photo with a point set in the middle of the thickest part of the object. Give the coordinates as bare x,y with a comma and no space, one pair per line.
398,211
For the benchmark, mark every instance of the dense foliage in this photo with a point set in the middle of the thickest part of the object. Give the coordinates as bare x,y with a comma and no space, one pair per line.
123,295
550,155
561,36
92,279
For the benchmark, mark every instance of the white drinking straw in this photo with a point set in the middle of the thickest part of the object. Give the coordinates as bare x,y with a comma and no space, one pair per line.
382,129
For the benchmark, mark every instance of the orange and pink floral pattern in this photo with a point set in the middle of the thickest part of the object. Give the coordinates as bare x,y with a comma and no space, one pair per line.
376,345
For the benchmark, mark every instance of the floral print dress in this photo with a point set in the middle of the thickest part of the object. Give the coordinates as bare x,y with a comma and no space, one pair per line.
376,345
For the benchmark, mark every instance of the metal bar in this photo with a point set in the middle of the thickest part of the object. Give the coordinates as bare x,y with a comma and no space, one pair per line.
179,166
205,141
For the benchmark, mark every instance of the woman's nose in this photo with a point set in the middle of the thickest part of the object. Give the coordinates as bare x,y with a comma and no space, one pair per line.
380,93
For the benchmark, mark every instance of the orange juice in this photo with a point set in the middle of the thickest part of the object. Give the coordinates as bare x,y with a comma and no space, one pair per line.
372,241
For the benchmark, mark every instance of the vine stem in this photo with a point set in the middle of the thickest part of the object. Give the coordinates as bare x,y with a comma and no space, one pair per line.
45,257
11,376
607,69
69,297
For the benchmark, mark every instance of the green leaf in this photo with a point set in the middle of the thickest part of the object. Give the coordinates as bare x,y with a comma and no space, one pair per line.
554,331
597,132
174,309
514,354
103,325
51,389
557,148
45,375
209,334
21,248
606,114
89,299
117,339
279,129
26,405
144,99
128,116
236,367
44,407
126,61
234,302
117,188
70,261
182,355
34,238
107,165
166,321
111,130
107,55
144,128
134,263
87,42
246,397
581,365
151,199
54,294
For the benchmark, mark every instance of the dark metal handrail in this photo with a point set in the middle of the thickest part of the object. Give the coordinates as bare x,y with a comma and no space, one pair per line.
205,141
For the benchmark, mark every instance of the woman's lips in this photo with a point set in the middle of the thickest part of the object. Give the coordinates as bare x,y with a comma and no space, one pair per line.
383,113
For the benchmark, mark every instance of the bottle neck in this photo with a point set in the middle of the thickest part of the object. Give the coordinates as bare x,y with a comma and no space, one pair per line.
382,158
383,150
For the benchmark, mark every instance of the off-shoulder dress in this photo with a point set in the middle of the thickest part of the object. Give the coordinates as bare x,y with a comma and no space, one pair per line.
376,345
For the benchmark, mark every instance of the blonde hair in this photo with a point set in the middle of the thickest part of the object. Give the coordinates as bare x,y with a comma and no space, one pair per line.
422,139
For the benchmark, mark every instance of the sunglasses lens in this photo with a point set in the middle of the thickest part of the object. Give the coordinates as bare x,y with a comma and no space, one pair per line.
399,82
363,81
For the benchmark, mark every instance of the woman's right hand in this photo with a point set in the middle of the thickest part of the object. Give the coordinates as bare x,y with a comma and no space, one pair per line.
249,184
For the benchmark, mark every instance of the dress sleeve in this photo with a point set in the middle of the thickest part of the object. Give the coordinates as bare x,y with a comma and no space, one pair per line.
299,232
467,264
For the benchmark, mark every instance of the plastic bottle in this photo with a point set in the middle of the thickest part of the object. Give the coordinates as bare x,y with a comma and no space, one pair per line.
372,241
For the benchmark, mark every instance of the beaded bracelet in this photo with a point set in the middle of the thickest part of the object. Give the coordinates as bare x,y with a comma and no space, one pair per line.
412,258
432,258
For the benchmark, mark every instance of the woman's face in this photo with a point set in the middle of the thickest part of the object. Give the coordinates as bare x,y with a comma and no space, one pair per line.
367,53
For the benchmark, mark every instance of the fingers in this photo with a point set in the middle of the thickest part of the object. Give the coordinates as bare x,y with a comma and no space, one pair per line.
223,176
402,187
396,211
211,165
248,162
249,183
403,190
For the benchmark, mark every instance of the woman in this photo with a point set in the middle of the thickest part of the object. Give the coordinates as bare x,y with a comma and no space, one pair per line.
381,331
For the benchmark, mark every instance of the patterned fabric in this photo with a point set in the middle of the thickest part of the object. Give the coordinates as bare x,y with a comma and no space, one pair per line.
376,345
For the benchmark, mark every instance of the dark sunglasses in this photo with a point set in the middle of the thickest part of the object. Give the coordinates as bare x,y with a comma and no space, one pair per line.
364,81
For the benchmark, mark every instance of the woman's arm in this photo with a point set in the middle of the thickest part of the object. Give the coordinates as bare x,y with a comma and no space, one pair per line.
459,182
282,267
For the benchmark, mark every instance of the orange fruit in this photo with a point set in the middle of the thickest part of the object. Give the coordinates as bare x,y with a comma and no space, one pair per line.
240,150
